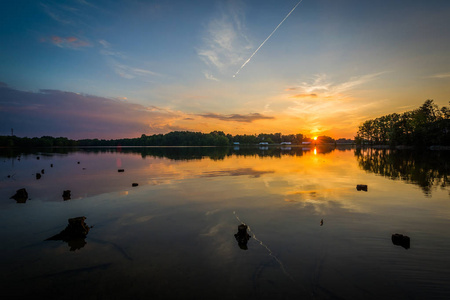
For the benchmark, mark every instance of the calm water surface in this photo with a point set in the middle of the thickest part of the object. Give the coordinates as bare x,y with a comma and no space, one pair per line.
173,236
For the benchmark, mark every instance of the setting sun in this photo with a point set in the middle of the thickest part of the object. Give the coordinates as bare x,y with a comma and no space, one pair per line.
315,138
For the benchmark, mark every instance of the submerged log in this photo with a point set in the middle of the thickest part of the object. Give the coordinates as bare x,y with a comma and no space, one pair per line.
401,240
134,184
121,170
20,196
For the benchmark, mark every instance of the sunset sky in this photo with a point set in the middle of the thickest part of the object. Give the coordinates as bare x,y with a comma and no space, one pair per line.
114,69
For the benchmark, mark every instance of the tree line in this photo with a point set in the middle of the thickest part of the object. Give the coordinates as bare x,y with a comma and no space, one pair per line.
188,138
427,125
45,141
175,138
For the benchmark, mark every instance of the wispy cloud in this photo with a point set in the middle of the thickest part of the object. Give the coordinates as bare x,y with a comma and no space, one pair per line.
322,86
119,62
327,105
225,43
57,14
304,96
441,75
210,76
237,117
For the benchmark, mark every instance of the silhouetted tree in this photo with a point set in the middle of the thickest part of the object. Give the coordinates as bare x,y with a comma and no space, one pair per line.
424,126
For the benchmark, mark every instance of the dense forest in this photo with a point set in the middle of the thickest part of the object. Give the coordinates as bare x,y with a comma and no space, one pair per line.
425,126
175,138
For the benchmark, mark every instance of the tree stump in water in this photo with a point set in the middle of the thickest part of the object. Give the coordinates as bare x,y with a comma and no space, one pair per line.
242,236
66,195
401,240
20,196
74,234
361,187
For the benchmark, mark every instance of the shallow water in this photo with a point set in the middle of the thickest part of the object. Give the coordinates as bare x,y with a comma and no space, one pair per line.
173,236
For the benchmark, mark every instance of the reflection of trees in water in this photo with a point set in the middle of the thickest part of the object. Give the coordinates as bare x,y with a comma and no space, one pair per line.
219,153
24,152
182,153
426,169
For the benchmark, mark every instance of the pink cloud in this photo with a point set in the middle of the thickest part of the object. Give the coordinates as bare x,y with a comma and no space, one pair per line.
70,42
248,118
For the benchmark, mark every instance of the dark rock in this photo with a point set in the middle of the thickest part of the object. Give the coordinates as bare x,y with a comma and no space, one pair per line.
121,170
321,222
51,165
38,176
66,195
37,157
78,162
361,187
242,236
74,234
42,171
20,196
134,184
401,240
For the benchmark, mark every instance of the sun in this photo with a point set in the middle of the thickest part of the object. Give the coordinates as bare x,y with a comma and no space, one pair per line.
315,138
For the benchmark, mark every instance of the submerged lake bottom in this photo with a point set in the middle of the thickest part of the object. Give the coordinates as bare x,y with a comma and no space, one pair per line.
178,232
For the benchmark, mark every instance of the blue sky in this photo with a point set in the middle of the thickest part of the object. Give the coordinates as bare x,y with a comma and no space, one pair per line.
113,69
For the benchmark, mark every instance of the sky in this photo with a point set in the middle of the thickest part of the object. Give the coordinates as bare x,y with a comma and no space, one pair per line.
114,69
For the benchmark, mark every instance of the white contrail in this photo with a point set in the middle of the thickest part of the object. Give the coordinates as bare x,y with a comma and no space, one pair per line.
248,60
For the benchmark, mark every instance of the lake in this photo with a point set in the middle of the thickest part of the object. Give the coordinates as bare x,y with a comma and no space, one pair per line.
310,233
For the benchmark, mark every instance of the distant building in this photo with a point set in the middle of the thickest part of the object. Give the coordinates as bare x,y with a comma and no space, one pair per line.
286,143
345,141
264,143
306,143
236,143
